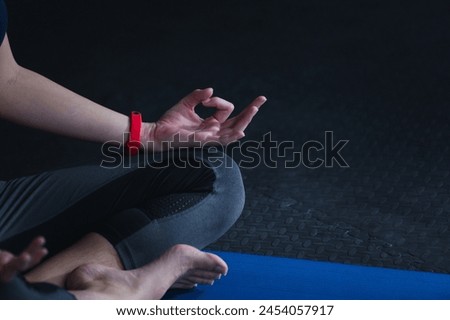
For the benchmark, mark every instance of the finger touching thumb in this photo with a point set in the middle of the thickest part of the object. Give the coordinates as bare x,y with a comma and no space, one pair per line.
196,97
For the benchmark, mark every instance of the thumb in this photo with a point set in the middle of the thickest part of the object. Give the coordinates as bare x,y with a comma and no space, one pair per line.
196,97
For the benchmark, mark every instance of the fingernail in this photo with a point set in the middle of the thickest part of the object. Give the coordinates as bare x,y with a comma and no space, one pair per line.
212,283
196,285
220,276
218,269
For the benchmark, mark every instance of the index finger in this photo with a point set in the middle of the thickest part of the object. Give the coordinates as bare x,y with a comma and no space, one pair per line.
195,97
224,108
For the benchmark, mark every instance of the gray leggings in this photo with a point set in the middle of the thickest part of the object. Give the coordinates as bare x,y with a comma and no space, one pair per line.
190,197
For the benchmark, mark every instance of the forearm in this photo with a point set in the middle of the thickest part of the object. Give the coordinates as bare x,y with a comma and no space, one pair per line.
30,99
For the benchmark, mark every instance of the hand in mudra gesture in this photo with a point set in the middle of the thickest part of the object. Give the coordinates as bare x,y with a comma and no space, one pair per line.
11,264
181,125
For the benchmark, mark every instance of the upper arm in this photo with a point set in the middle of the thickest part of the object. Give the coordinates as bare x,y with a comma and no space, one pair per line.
8,65
3,20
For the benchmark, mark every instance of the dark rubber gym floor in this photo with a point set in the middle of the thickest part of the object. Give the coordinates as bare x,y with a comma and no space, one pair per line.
375,73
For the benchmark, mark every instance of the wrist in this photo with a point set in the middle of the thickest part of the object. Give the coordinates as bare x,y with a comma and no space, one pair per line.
148,135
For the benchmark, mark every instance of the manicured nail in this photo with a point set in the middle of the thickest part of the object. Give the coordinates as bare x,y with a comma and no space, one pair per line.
220,276
212,283
196,285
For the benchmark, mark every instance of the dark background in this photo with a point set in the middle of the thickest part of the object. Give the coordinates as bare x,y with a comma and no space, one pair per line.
375,73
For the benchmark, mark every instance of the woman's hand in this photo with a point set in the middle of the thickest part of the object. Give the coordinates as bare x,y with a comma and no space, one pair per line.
10,264
181,126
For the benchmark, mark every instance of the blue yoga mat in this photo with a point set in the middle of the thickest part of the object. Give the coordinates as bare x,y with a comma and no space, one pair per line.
273,278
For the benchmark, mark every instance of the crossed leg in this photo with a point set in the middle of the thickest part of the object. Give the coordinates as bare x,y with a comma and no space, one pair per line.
141,239
91,269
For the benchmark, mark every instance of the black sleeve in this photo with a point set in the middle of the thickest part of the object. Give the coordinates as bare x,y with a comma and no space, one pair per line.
20,289
3,20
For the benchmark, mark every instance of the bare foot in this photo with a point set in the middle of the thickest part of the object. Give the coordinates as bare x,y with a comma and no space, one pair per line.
182,266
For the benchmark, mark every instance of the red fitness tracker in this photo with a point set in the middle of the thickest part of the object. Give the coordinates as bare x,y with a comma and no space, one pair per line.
134,140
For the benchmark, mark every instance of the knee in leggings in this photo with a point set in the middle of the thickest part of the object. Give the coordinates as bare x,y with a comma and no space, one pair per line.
229,186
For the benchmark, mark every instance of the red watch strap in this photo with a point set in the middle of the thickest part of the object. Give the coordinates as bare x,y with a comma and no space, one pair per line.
134,141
